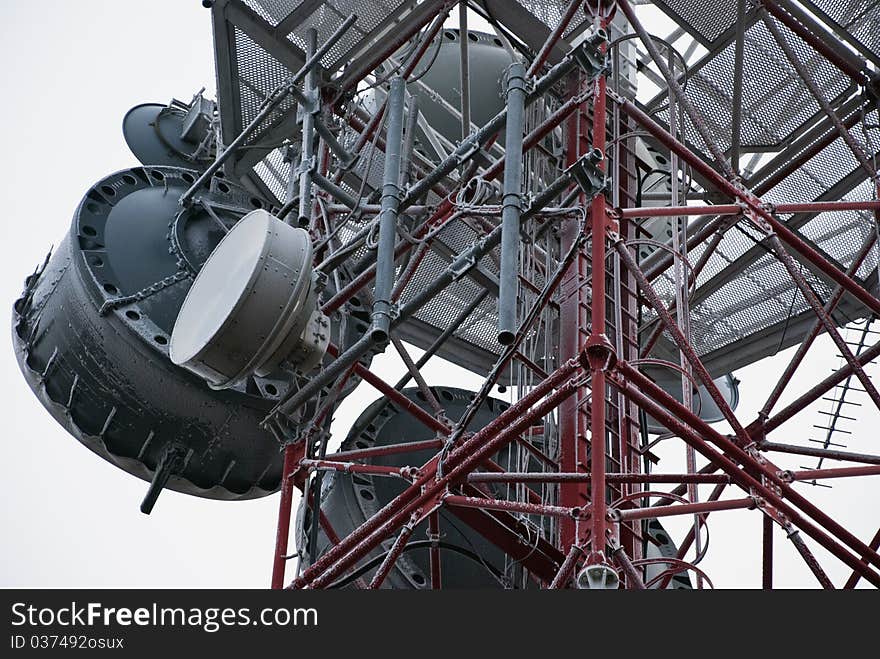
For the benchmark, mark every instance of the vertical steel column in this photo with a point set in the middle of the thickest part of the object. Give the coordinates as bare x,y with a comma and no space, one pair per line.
382,304
511,208
569,335
767,559
599,219
465,77
736,105
307,152
291,457
412,121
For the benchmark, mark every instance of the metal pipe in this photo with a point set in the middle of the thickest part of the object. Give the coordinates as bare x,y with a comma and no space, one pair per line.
839,472
827,454
409,141
345,158
788,236
584,477
855,576
743,478
382,303
809,559
554,37
511,205
393,555
699,520
352,467
470,146
380,451
292,454
634,580
444,335
816,329
563,576
677,211
748,482
767,554
484,443
737,102
513,506
651,512
307,151
598,339
735,209
464,73
683,98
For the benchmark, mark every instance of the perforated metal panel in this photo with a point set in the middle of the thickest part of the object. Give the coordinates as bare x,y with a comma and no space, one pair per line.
776,102
859,18
705,20
550,13
743,293
259,74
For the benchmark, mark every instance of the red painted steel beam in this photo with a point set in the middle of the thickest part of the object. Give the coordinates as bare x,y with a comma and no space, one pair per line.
691,536
699,435
858,75
394,395
788,236
854,578
354,468
841,472
825,454
759,428
767,553
554,37
734,209
563,576
584,477
509,534
391,559
598,449
379,451
292,455
651,512
816,329
514,506
677,211
471,452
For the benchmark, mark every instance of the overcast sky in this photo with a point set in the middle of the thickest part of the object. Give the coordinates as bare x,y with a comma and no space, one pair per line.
71,71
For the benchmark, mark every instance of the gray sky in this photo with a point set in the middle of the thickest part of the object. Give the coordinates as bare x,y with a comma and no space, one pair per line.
71,71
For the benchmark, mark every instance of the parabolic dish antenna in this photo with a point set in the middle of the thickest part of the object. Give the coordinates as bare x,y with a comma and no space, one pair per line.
169,135
252,305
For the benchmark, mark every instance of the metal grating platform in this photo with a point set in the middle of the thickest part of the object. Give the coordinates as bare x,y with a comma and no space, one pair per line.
742,293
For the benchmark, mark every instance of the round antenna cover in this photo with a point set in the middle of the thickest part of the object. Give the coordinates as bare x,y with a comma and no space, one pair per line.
153,132
252,305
